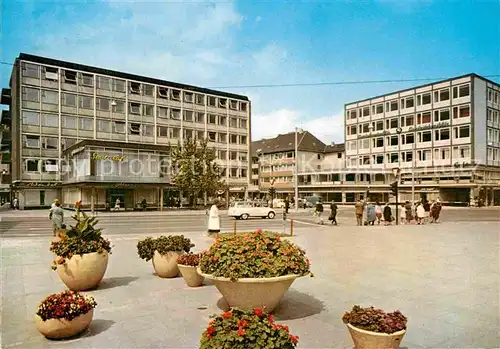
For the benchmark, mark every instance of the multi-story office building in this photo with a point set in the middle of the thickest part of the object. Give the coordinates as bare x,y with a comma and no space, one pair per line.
444,137
96,135
275,162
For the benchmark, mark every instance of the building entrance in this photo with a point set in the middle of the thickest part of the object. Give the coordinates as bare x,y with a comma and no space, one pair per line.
120,199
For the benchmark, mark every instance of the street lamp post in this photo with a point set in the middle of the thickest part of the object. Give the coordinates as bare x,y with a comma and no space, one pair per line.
397,172
296,174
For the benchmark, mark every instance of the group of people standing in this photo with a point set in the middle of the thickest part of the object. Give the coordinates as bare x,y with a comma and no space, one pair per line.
408,212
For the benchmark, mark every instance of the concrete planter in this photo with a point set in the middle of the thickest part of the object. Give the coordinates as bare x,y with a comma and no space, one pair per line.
166,265
62,328
374,340
83,272
250,293
190,275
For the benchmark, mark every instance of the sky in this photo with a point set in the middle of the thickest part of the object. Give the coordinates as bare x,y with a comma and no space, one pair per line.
238,46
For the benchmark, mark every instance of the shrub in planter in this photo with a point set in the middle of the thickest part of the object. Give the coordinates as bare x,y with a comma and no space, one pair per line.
239,329
82,254
374,328
187,264
164,251
253,270
64,315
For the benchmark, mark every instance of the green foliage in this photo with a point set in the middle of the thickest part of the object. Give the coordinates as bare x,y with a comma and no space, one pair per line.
375,320
253,255
146,248
196,170
80,239
238,329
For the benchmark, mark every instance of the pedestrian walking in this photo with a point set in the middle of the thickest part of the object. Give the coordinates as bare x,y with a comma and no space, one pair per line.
333,213
15,203
214,218
287,206
408,210
435,211
319,211
56,215
358,209
370,214
378,212
402,214
387,214
420,213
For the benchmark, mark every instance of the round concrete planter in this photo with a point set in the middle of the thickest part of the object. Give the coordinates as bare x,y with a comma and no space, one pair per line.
83,272
62,328
166,265
190,275
250,293
374,340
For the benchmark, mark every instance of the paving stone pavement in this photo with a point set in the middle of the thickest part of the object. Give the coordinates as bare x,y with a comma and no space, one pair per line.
444,278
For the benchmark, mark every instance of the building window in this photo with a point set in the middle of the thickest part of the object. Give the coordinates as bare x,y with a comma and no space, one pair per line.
233,122
51,143
31,94
233,155
148,130
243,139
409,102
50,120
393,140
188,116
463,112
351,145
212,119
118,107
31,70
188,134
233,104
188,97
441,115
200,134
379,126
424,155
199,99
424,118
86,124
31,118
69,122
70,77
32,141
135,129
162,92
103,83
31,165
118,127
442,134
408,138
118,85
175,95
135,108
461,152
162,131
50,97
87,80
442,154
464,90
222,103
175,132
200,117
212,101
233,139
69,100
426,98
162,112
102,104
409,120
175,114
393,123
243,106
49,166
103,126
135,88
442,95
149,90
352,114
378,142
425,136
407,156
147,109
212,136
351,130
462,132
243,124
366,111
393,105
222,120
86,102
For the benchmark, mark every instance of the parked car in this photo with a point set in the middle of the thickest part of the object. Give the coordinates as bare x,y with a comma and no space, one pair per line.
247,209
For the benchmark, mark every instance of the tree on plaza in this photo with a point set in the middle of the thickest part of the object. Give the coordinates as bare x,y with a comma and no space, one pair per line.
194,169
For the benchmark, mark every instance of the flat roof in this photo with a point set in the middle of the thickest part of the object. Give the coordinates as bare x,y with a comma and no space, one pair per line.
117,145
117,74
424,85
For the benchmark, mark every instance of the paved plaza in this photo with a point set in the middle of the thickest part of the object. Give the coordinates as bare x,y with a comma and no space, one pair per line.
444,278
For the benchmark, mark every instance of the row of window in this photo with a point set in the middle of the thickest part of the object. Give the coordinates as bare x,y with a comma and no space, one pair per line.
440,115
444,153
441,134
493,116
493,154
441,95
118,85
48,119
493,96
493,135
50,166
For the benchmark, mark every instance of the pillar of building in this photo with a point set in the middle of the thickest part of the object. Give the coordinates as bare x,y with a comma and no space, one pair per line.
92,200
161,199
344,197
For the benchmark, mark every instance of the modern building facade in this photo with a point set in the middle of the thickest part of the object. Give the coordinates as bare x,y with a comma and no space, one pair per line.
97,135
444,137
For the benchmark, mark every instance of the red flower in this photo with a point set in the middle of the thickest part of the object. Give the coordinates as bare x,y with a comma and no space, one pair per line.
258,312
227,315
270,318
60,260
294,339
308,262
242,323
241,332
210,331
258,231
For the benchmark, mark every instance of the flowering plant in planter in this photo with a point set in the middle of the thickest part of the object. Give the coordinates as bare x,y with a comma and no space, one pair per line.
238,329
146,248
189,259
65,305
254,255
375,320
79,239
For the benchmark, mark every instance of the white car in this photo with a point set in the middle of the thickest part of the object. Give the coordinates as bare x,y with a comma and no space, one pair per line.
247,209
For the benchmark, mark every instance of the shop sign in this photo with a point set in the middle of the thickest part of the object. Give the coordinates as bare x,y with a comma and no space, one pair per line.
40,184
97,156
427,127
465,164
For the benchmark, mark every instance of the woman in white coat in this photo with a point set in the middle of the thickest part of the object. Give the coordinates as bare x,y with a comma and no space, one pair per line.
214,218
